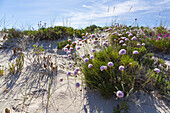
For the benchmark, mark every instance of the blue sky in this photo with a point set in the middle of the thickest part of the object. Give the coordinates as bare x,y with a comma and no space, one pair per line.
24,14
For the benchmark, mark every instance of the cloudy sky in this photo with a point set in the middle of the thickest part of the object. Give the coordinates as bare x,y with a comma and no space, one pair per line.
25,14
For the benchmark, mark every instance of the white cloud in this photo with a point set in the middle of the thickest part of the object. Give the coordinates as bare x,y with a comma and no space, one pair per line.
86,6
98,10
92,11
163,2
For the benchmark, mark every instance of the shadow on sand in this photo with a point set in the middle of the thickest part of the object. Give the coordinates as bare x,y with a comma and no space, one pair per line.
142,103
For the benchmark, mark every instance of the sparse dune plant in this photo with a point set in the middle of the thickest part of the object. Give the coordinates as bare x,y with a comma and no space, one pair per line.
17,65
12,69
1,70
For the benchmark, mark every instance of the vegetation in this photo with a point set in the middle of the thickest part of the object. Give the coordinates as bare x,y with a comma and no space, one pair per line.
51,33
62,44
17,66
1,70
115,61
120,62
157,40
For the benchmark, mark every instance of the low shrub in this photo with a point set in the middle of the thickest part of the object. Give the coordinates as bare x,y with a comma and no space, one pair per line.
14,33
62,44
51,33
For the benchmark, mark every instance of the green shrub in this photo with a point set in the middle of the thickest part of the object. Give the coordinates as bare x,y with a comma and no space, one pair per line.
14,33
58,32
63,44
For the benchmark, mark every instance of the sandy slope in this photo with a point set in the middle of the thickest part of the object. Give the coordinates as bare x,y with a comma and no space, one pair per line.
32,85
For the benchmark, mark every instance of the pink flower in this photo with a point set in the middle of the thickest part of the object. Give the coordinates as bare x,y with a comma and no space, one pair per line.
70,65
110,29
65,49
75,72
138,44
87,34
123,38
78,47
124,44
80,44
105,67
90,65
77,69
157,70
135,52
73,43
93,50
134,38
127,32
119,94
104,43
69,73
103,36
68,52
119,34
83,56
77,85
102,68
159,38
92,35
130,35
71,48
126,39
143,44
69,40
110,64
121,68
61,79
86,60
69,56
114,33
122,52
95,41
121,41
91,57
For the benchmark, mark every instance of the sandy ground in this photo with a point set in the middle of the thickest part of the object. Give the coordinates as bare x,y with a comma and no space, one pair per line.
28,91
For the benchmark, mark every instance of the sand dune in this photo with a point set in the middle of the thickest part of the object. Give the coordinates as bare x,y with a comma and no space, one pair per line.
28,91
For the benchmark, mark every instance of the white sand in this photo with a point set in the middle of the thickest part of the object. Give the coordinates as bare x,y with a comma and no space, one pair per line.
33,85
